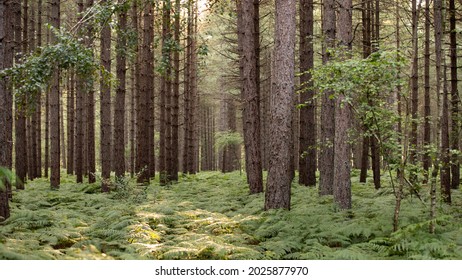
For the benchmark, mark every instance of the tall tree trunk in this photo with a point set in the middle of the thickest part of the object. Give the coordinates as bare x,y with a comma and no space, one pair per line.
455,101
342,151
70,123
79,107
445,176
106,129
119,107
194,100
165,120
149,37
62,136
308,135
281,106
326,156
143,161
55,150
90,136
33,116
427,115
20,102
247,41
187,90
414,83
6,99
135,90
174,167
39,97
374,145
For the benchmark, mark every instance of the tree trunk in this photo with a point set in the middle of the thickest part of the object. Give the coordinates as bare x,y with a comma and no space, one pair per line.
20,104
79,106
90,137
308,135
427,115
70,123
174,166
135,90
445,176
165,120
39,98
326,156
105,111
119,106
414,85
33,116
342,149
281,106
62,139
143,161
6,105
187,90
455,101
55,150
247,41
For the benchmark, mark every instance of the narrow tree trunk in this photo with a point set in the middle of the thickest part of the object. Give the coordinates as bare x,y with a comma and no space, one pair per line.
279,178
367,49
187,91
308,135
6,96
143,161
455,101
90,137
414,84
79,125
342,149
119,107
445,176
33,116
427,115
20,104
62,136
135,91
70,123
55,148
165,97
39,97
247,41
105,111
149,54
326,156
174,167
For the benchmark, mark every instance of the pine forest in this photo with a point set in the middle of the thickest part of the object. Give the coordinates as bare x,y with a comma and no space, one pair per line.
230,129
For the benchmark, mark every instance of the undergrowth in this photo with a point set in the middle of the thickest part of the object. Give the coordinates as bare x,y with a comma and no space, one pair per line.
211,216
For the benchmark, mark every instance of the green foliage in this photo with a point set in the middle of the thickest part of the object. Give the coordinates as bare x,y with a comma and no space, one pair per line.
225,139
6,176
34,73
211,216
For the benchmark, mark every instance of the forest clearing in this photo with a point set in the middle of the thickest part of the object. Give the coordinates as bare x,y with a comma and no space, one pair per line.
230,129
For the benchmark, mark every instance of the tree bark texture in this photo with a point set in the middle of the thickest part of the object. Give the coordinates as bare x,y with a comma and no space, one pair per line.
55,148
326,156
281,106
307,150
119,106
250,98
455,100
105,109
342,149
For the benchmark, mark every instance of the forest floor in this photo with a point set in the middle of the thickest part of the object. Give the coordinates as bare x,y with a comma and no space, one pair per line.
211,216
